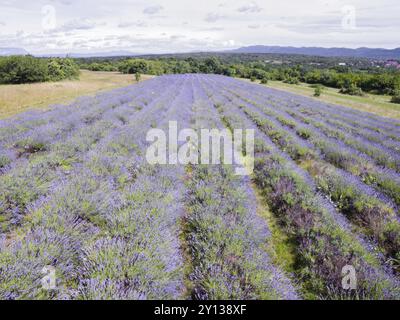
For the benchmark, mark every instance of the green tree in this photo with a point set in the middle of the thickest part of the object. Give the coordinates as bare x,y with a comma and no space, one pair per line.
23,69
350,87
132,66
396,96
317,90
264,79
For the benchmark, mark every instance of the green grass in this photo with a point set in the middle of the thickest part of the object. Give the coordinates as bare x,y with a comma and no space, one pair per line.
281,248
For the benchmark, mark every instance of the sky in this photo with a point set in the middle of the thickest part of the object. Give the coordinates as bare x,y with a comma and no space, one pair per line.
166,26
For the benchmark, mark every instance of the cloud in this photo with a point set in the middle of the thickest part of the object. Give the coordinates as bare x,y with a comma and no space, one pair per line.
250,8
213,29
207,25
177,37
65,2
228,43
152,9
127,24
77,24
213,17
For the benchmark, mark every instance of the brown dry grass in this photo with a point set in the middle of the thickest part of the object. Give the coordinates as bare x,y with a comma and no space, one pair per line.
15,99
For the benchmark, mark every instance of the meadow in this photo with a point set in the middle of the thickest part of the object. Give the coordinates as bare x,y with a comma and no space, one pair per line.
77,194
18,98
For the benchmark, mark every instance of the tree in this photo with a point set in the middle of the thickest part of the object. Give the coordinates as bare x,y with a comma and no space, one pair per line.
264,79
211,65
28,69
350,87
318,91
59,69
19,69
133,66
396,96
137,76
292,80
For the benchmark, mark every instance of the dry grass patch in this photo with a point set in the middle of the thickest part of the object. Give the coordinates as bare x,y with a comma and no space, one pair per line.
15,99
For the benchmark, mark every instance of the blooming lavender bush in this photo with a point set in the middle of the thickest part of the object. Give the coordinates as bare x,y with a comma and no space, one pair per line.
77,195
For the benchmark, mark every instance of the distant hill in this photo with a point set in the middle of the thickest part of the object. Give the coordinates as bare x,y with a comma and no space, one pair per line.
90,55
13,52
373,53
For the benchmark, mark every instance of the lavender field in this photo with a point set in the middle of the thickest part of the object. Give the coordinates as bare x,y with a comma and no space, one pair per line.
77,194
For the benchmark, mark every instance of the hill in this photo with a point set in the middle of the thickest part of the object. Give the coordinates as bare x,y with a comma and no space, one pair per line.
373,53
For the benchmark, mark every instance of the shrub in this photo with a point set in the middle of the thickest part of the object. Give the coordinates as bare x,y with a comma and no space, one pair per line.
264,80
396,99
317,91
396,96
350,87
292,80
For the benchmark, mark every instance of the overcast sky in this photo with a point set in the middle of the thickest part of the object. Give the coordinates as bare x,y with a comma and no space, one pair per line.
161,26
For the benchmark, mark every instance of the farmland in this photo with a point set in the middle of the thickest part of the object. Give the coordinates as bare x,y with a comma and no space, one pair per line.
77,194
377,104
22,97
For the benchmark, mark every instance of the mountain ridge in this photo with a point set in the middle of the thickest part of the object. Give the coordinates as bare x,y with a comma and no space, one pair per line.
362,52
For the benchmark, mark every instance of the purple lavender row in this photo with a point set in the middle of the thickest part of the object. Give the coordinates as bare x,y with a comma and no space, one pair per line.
31,178
225,236
100,228
363,143
152,209
60,116
332,220
365,206
311,107
358,119
334,151
354,116
371,151
22,138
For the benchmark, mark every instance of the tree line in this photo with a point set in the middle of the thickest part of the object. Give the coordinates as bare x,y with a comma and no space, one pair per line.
349,79
28,69
354,77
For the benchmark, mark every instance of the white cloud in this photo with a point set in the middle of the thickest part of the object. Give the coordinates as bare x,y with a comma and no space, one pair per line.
127,24
251,7
152,9
213,17
77,24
